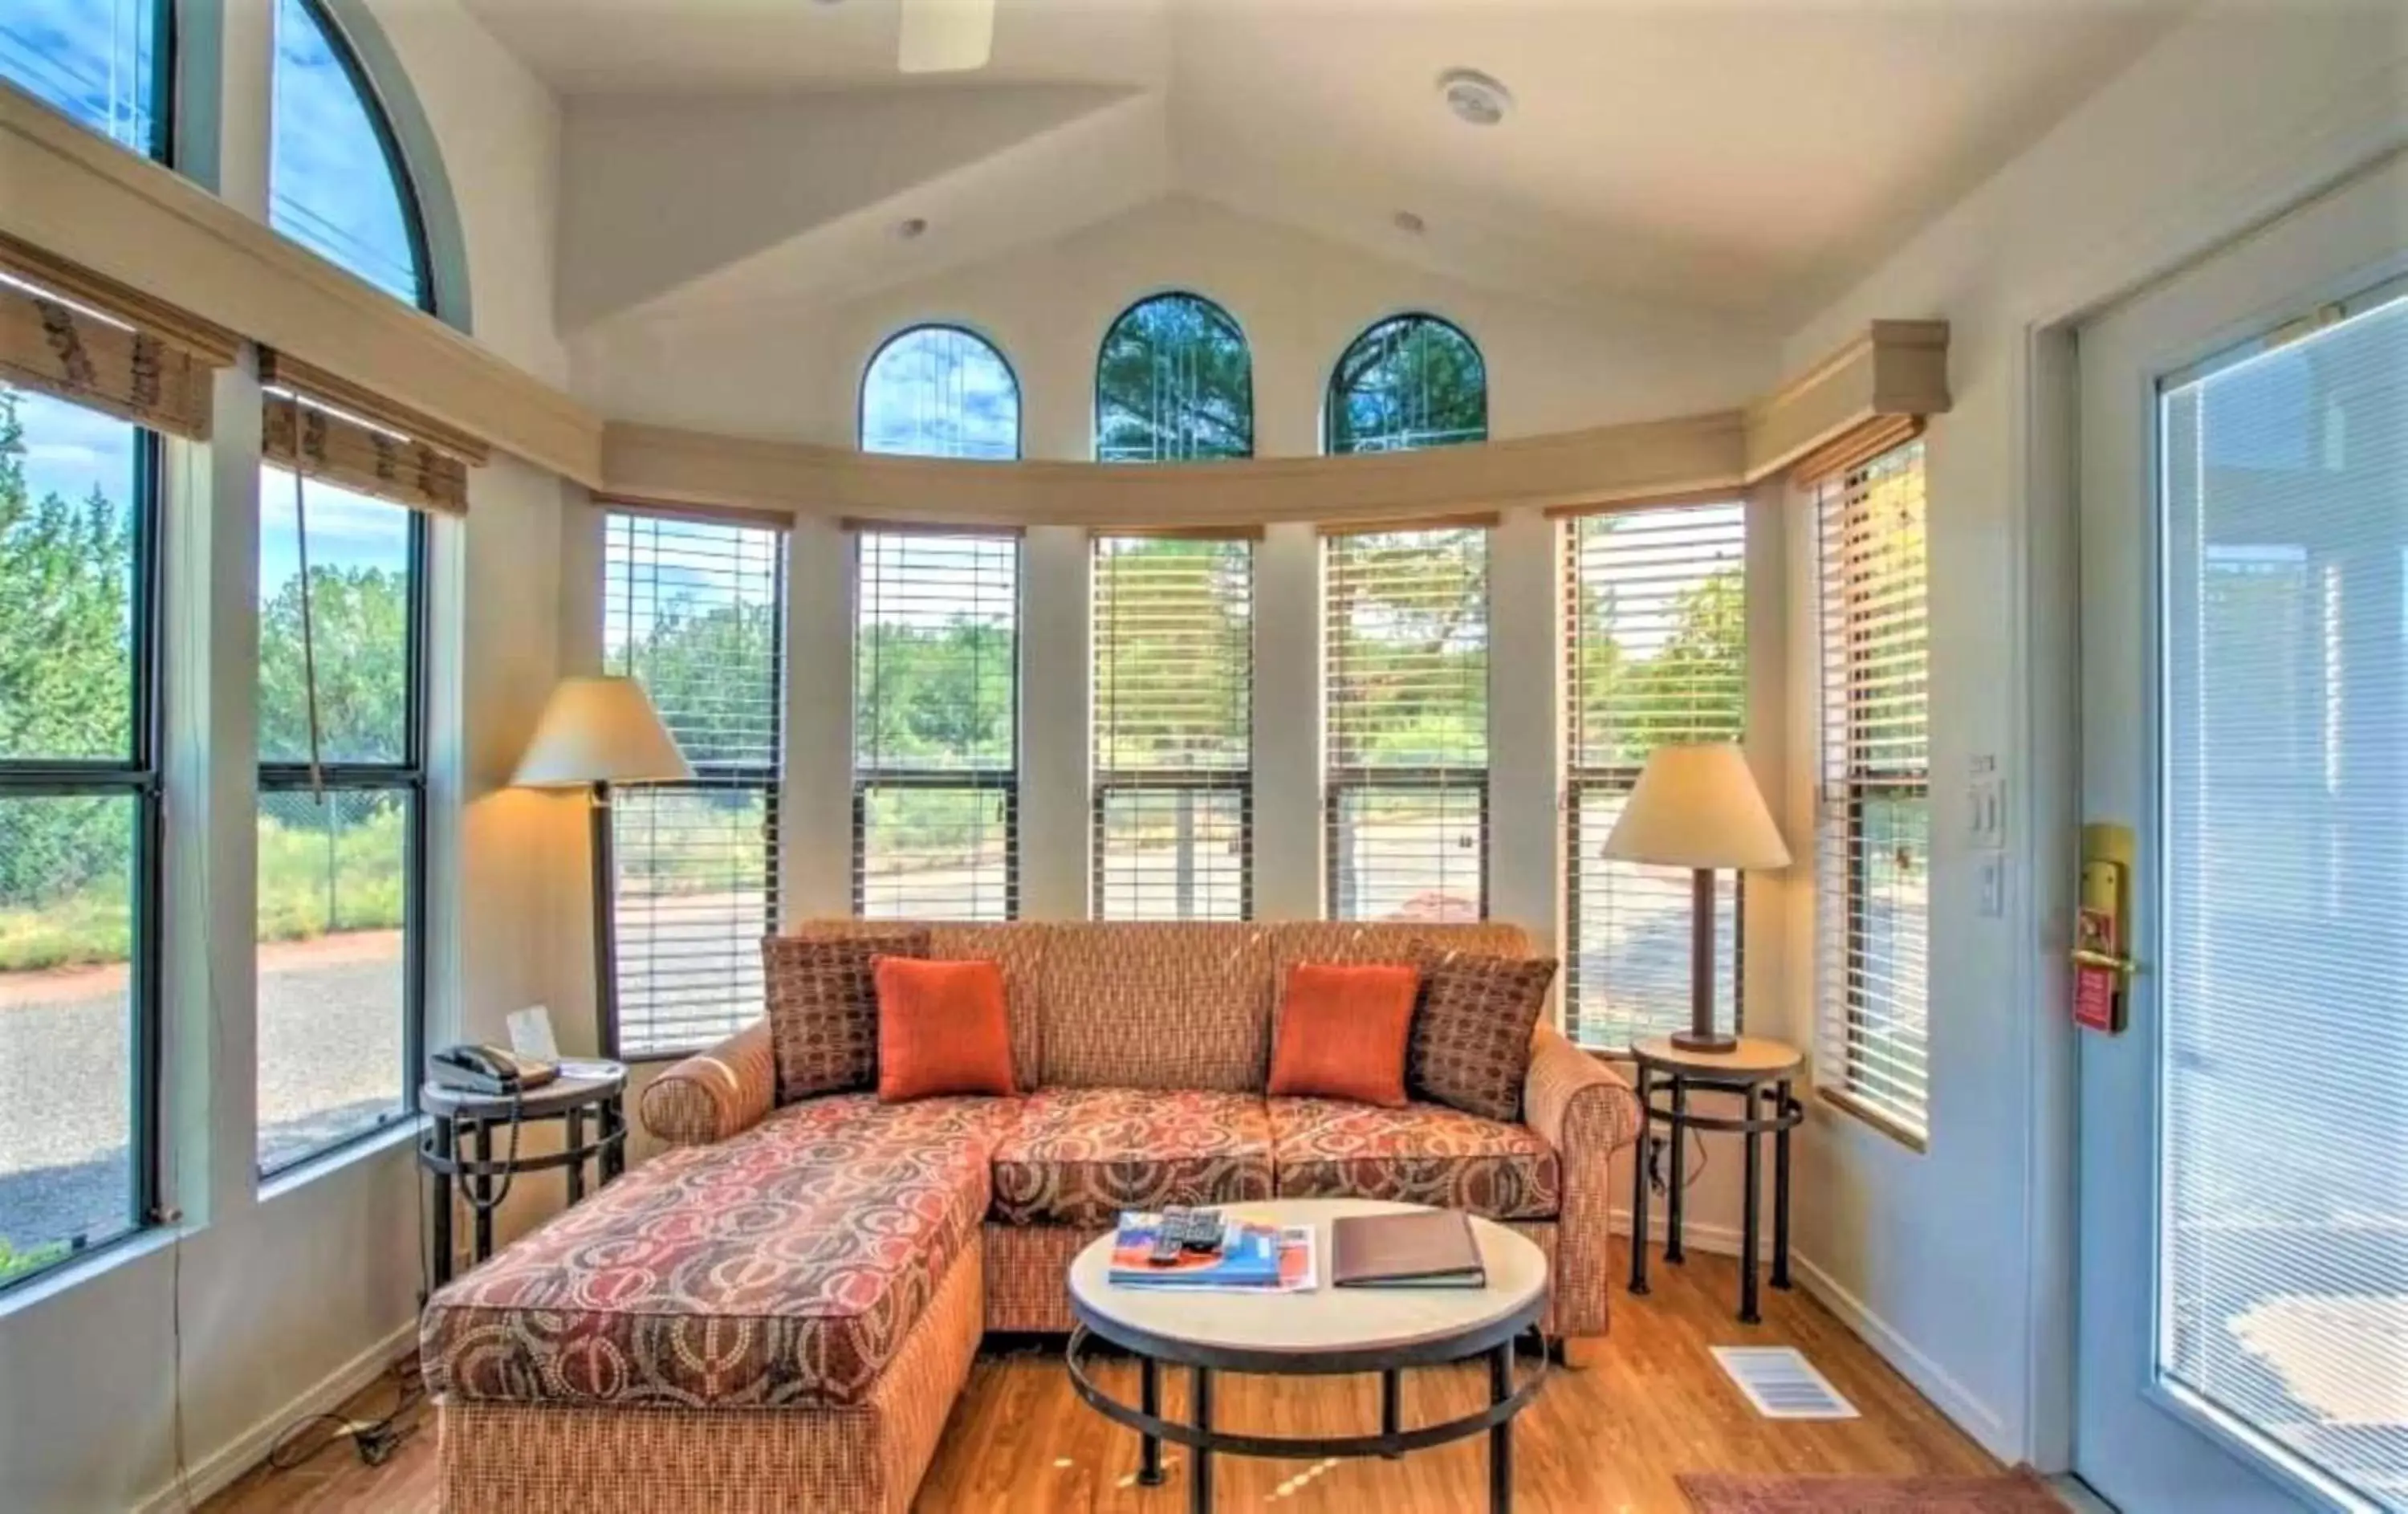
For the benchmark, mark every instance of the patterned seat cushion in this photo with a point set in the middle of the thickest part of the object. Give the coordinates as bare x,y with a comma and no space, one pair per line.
783,1266
1081,1156
1328,1148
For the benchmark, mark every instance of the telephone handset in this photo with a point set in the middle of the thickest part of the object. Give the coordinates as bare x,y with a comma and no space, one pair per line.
486,1069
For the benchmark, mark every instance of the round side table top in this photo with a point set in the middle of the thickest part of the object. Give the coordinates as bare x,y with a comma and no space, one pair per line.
582,1082
1276,1332
1754,1058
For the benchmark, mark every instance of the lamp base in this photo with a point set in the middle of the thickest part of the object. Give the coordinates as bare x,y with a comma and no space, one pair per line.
1713,1041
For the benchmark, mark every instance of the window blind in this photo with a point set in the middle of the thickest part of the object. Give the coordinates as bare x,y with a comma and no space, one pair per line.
1405,693
936,725
695,610
1173,728
1874,851
1656,653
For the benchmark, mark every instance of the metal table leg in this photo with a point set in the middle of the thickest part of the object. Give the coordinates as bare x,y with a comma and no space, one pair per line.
1673,1204
1781,1188
480,1189
576,1169
1149,1398
1392,1409
1749,1204
440,1132
1500,1438
1199,1463
1638,1152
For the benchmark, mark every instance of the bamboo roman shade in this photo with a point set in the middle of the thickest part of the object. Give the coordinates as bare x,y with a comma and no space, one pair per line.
326,428
89,340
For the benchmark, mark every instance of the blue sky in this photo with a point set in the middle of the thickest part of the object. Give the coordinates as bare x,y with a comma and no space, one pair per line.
939,392
88,58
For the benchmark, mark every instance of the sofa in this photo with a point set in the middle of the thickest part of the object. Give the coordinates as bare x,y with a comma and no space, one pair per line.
777,1311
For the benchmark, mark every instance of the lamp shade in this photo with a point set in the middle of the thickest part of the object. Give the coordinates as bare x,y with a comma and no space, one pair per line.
1697,807
600,731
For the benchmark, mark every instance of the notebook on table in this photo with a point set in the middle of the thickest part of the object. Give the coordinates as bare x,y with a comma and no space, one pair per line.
1430,1250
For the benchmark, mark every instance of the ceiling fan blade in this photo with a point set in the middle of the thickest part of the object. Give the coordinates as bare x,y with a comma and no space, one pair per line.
947,37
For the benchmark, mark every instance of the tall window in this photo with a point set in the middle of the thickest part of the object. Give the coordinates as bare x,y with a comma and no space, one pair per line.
336,182
1405,633
1873,895
1410,381
695,612
941,392
935,780
1656,653
342,617
102,62
1174,383
78,829
1174,651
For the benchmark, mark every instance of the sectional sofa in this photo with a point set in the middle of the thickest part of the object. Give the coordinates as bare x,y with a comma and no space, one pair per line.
777,1312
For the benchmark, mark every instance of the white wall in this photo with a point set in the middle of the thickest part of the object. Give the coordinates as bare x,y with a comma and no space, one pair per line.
288,1296
1956,1261
795,373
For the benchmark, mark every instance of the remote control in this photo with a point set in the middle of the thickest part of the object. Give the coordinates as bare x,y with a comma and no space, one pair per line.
1204,1230
1169,1238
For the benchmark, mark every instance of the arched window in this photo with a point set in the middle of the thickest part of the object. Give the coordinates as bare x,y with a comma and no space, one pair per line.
336,182
1174,383
102,62
941,392
1410,382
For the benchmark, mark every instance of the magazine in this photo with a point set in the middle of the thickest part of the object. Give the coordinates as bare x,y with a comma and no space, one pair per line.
1252,1259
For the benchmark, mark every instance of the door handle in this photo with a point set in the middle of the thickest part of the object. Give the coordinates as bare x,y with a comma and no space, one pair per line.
2123,967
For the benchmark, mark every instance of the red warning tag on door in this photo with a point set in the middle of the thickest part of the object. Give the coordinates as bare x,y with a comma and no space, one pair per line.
2097,998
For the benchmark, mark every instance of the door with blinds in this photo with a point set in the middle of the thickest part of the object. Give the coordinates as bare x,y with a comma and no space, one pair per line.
2243,1251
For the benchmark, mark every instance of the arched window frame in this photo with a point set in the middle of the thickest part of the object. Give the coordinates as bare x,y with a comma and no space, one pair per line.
1334,394
380,126
1019,394
1214,311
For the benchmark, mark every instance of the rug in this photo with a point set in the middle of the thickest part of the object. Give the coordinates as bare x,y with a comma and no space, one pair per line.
2016,1492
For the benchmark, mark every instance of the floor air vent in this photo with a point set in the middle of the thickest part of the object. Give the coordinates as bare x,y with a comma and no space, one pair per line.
1782,1383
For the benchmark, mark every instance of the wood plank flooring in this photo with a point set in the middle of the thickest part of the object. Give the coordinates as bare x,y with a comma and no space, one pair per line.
1610,1438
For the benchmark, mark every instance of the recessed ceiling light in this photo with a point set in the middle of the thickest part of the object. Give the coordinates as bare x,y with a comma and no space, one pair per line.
1475,99
1409,223
910,226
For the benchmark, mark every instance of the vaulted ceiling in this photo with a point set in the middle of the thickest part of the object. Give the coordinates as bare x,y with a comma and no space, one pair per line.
1749,156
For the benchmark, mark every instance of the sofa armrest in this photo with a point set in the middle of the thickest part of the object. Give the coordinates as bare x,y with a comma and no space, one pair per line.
713,1094
1583,1109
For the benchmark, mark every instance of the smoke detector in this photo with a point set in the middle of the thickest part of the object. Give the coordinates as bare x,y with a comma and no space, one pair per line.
1476,99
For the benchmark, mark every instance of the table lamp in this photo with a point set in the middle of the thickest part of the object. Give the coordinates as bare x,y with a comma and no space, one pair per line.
596,732
1698,807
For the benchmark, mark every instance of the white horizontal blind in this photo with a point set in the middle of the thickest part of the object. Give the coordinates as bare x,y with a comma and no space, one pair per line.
1405,639
936,725
1656,653
1875,843
1174,652
696,611
2283,1246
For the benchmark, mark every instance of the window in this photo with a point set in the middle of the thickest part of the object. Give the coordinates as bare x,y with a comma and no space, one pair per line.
78,830
1405,632
102,62
342,617
935,780
1174,654
694,611
1872,898
336,182
1409,382
1174,383
941,392
1656,653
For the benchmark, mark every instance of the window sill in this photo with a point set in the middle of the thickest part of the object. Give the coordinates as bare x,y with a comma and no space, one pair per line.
374,1146
1857,1109
125,1251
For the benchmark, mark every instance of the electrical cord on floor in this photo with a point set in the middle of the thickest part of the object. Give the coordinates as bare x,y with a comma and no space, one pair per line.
374,1440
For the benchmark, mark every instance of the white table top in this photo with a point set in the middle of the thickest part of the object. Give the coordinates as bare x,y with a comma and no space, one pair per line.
1326,1318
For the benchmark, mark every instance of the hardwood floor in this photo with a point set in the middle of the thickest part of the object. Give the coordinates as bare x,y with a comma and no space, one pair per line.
1610,1438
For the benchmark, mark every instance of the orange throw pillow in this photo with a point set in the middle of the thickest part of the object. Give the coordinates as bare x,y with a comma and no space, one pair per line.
941,1028
1343,1033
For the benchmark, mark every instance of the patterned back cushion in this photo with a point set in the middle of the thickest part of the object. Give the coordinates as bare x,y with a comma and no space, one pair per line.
1157,1005
1471,1041
824,1008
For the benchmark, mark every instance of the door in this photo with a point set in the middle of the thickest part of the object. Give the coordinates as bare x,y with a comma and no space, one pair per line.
2243,1257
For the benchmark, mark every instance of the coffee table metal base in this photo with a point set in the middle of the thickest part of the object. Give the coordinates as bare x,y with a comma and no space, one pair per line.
1506,1398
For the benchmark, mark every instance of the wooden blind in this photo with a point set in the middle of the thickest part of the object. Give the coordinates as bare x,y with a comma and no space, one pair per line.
696,611
94,342
328,429
1655,653
1405,694
1174,650
1874,841
936,796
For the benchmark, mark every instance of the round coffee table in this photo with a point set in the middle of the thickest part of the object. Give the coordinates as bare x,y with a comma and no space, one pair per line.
1324,1331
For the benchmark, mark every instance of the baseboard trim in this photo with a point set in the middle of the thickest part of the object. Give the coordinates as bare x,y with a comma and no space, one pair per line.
218,1470
1949,1396
1715,1240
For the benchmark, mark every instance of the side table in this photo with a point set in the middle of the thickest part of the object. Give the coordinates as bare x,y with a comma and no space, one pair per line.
1760,1072
460,1120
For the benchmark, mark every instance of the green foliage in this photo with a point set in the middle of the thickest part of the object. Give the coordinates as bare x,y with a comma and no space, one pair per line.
331,867
361,620
938,698
1175,631
1409,382
709,674
1408,640
1693,688
1174,382
66,586
16,1261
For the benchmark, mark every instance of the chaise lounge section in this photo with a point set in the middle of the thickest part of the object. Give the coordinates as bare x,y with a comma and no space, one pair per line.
777,1312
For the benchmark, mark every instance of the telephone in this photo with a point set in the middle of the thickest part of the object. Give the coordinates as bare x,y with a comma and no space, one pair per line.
481,1069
